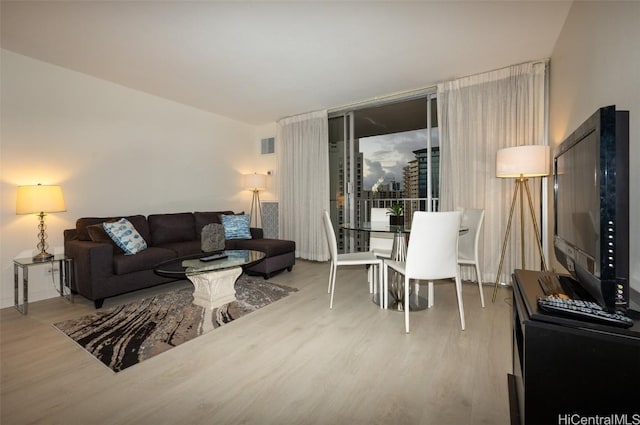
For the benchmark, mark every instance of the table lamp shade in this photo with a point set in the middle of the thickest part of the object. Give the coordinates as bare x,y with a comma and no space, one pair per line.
525,161
39,199
255,181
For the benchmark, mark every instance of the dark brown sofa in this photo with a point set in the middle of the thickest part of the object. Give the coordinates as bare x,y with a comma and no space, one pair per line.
102,270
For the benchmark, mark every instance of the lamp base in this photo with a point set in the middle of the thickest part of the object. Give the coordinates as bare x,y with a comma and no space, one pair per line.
255,212
42,257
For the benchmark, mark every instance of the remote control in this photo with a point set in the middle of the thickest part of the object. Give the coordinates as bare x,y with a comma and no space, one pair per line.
583,310
213,257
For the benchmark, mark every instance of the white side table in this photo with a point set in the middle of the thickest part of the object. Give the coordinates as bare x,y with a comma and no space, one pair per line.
65,265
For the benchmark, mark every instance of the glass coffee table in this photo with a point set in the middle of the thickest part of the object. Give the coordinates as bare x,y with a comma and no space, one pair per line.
213,280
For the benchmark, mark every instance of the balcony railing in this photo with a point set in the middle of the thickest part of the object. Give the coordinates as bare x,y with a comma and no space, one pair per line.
409,205
349,241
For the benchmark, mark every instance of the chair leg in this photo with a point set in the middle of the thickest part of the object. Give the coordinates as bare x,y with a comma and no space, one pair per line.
330,278
381,281
430,294
480,284
373,284
385,282
460,305
406,304
333,283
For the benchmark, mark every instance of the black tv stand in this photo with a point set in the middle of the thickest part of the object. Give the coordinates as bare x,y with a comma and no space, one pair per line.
565,369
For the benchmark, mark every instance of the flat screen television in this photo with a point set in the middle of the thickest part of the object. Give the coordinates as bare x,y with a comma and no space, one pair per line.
591,206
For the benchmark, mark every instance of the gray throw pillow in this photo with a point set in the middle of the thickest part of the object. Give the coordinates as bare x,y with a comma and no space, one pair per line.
212,237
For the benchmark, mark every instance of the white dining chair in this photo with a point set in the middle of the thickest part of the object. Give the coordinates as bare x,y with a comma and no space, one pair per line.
432,254
349,259
469,242
381,243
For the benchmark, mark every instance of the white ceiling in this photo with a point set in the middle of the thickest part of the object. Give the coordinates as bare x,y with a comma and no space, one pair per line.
257,62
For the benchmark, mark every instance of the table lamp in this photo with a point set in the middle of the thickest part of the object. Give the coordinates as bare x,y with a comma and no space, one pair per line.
520,163
40,199
255,182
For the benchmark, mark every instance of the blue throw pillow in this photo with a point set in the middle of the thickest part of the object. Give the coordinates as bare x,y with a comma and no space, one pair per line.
125,236
236,226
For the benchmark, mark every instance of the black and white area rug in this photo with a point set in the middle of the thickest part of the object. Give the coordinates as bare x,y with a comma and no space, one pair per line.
125,335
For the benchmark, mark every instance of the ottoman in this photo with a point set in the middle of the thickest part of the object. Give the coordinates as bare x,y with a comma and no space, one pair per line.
281,254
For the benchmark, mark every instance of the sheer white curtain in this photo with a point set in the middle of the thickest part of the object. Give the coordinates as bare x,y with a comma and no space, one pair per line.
477,116
303,170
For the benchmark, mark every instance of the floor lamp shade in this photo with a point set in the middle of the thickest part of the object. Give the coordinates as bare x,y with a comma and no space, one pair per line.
40,199
523,161
255,181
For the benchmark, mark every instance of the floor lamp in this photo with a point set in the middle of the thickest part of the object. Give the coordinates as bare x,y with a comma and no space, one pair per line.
520,163
255,182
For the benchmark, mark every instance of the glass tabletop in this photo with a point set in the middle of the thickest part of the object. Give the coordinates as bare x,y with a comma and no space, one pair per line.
386,227
378,227
193,265
29,261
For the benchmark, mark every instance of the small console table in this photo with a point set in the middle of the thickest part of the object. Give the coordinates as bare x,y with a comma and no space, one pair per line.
65,266
566,371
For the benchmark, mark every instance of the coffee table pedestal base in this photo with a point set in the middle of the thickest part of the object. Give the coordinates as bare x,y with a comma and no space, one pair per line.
214,288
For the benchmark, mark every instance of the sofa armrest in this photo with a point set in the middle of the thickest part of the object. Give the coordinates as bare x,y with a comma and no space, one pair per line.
256,233
93,263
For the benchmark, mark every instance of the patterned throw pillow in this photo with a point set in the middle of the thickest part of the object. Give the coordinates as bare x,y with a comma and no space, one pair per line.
125,236
236,226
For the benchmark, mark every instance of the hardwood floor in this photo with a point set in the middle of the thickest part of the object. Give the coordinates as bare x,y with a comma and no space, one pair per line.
292,362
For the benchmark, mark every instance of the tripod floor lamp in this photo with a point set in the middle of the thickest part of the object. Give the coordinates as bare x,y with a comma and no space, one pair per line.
521,163
255,182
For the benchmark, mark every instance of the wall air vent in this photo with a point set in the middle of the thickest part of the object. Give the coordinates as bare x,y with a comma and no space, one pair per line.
267,146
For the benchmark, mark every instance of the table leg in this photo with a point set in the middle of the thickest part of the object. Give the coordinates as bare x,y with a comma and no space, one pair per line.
25,288
66,273
399,248
215,288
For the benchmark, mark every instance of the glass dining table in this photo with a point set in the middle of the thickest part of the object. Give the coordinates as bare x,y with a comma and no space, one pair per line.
398,253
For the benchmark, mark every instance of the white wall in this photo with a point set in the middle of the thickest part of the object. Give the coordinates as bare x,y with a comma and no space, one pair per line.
114,151
595,63
267,162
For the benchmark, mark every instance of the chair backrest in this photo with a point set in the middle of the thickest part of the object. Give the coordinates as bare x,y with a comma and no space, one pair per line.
380,241
331,235
468,243
379,215
432,252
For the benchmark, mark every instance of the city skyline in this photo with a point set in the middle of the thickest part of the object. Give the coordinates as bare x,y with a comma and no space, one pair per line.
385,156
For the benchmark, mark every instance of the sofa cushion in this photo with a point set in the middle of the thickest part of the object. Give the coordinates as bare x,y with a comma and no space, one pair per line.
168,228
138,221
98,234
208,217
144,260
236,226
183,248
125,236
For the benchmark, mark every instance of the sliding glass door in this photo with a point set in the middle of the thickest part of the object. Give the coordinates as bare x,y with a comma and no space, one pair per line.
382,155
